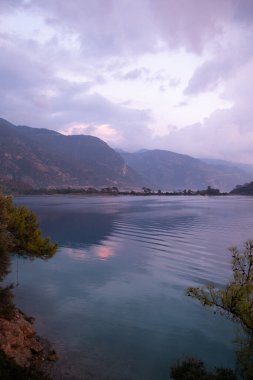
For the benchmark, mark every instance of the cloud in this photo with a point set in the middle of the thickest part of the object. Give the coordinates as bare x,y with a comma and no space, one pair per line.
134,74
115,123
133,27
71,112
8,5
182,104
244,12
59,59
56,104
104,131
174,82
235,52
36,94
32,87
191,24
106,29
227,133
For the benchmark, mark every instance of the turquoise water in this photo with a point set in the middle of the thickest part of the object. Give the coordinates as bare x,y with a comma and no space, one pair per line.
112,300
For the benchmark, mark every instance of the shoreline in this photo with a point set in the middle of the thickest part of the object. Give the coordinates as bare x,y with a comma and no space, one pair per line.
20,343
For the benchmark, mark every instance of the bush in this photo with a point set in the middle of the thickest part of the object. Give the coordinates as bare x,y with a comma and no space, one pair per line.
27,236
19,232
235,301
7,306
194,369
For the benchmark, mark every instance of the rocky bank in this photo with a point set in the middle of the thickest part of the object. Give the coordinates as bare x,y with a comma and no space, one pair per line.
20,342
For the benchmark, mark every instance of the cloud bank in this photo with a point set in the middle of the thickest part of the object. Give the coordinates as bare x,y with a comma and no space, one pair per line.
126,71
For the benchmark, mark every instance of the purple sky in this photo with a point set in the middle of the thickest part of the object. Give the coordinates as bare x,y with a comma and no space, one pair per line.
170,74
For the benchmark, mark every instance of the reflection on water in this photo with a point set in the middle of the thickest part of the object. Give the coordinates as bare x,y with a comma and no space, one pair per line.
113,298
101,251
78,229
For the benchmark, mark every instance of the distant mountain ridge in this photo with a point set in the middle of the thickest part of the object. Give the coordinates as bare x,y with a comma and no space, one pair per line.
221,163
36,158
40,158
169,171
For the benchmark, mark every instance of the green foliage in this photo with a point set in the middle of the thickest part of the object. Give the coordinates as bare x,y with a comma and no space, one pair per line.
194,369
9,370
245,357
7,306
19,232
4,262
27,236
5,238
188,369
235,301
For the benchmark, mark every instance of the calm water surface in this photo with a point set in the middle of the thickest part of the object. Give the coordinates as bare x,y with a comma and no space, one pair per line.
112,300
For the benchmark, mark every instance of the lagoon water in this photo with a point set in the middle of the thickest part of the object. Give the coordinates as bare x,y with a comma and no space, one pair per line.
112,300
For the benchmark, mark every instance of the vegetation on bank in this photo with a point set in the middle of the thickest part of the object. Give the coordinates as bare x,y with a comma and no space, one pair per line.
246,189
194,369
235,301
115,191
19,234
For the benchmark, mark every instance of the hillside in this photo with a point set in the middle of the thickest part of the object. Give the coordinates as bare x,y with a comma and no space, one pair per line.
169,171
36,158
221,163
40,158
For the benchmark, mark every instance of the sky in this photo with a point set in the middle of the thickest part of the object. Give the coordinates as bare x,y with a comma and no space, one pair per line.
155,74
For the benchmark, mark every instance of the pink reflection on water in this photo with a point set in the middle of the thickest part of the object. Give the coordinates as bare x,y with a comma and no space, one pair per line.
104,252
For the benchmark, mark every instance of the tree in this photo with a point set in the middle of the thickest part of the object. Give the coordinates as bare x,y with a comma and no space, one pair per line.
5,239
146,190
19,233
194,369
235,301
6,296
26,234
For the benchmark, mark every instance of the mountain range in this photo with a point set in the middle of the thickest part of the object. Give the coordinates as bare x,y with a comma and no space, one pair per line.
172,171
41,158
221,163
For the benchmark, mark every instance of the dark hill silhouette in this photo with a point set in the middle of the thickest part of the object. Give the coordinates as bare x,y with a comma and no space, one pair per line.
246,189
